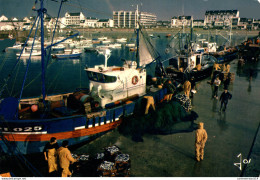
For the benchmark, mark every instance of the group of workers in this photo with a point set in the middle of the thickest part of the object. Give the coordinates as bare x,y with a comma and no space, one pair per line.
58,158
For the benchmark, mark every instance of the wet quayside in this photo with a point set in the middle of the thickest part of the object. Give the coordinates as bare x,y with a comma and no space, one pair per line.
229,134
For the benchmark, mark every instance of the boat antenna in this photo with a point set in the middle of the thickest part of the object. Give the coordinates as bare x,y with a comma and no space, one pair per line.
137,35
41,12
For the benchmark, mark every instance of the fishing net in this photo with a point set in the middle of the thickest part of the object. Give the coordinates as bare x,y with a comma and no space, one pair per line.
168,118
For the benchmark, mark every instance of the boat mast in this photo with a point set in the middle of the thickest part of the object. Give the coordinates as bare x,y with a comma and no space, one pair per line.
137,36
41,12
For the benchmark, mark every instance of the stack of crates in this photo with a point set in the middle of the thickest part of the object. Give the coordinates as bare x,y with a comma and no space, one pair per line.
114,163
107,169
122,164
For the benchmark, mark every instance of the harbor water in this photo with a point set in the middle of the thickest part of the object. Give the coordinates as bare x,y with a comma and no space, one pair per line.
230,133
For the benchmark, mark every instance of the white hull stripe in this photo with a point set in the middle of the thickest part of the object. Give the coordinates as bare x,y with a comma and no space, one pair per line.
90,126
117,119
97,124
80,127
43,132
102,123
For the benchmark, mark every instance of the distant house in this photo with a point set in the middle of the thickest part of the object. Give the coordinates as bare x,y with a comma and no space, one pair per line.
165,24
242,23
180,21
198,23
14,19
27,20
3,18
75,19
220,18
91,22
105,23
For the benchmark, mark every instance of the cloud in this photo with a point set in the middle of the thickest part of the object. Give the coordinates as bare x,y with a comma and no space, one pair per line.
208,0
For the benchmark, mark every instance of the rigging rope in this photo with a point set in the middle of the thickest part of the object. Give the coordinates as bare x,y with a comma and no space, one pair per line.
28,63
10,74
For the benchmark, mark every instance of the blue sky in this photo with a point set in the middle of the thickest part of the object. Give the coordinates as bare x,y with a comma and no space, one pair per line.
164,9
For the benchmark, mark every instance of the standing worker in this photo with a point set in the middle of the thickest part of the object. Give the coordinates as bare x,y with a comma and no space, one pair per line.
227,81
193,86
217,82
170,89
50,154
201,138
225,96
150,102
186,88
65,158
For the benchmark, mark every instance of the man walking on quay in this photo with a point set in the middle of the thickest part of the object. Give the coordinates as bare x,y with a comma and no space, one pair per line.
65,158
50,155
225,96
201,138
217,82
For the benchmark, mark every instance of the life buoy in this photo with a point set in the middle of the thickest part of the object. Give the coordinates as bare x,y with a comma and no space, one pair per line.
134,80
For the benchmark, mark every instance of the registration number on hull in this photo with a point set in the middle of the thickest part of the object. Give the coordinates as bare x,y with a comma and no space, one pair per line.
21,129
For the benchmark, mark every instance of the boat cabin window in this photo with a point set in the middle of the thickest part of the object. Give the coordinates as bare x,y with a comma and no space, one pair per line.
99,77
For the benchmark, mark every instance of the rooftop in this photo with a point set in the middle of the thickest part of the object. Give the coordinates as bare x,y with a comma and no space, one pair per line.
213,12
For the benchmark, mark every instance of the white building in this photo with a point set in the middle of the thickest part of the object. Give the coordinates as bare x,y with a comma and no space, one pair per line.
148,19
3,18
220,18
128,19
91,22
14,19
181,21
75,19
105,23
198,23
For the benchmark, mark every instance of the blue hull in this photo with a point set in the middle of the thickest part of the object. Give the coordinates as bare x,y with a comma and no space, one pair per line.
30,136
64,56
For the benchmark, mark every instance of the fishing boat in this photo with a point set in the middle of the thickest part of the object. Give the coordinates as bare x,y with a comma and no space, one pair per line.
190,61
27,54
59,47
27,124
225,56
121,40
68,53
250,49
184,67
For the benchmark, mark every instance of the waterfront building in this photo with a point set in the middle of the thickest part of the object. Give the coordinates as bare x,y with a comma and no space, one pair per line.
13,24
148,19
165,24
180,21
198,23
105,23
128,19
220,18
75,19
91,22
3,18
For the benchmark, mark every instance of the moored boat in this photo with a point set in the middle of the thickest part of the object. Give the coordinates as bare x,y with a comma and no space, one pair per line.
27,124
184,67
68,53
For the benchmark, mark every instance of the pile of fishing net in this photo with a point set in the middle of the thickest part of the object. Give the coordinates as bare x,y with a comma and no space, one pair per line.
184,101
168,118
